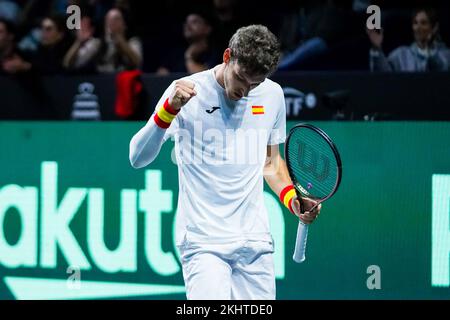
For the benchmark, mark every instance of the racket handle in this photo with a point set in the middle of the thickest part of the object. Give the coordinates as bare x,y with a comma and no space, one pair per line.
300,242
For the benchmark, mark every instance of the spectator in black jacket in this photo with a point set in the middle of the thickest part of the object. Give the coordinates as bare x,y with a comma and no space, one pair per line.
55,43
48,58
11,59
195,53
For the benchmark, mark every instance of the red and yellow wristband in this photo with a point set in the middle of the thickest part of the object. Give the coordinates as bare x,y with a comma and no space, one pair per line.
165,115
286,196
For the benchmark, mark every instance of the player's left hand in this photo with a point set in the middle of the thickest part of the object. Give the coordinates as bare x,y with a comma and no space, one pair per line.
307,216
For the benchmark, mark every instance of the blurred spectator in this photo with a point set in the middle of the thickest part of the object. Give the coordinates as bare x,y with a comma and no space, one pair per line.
118,51
55,42
195,55
53,45
9,10
290,30
11,60
226,21
427,53
331,38
29,23
81,55
123,5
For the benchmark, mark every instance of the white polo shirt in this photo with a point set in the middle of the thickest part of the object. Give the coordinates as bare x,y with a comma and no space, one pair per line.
221,148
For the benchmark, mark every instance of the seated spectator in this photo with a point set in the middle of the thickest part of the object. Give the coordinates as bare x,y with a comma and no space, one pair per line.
118,51
195,55
11,59
81,55
427,53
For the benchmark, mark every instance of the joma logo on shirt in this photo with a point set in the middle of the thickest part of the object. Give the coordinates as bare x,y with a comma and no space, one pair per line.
212,110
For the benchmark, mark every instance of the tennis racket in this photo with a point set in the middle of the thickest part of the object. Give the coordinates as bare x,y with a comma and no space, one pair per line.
315,169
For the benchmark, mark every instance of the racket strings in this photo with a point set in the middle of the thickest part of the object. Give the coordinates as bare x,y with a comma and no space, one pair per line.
313,163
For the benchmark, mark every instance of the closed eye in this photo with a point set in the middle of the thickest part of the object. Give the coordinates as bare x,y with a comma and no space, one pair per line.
240,78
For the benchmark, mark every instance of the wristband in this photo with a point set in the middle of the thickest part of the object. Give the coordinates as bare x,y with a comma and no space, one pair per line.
286,196
165,115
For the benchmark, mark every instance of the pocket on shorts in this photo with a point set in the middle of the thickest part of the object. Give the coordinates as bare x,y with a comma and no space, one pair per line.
187,248
261,247
183,247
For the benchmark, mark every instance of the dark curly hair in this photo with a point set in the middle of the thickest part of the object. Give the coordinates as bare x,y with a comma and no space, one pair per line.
256,49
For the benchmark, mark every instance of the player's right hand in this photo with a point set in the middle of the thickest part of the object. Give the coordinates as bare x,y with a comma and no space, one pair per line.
307,217
181,94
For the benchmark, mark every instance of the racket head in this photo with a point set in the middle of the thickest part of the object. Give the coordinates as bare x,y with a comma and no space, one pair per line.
308,149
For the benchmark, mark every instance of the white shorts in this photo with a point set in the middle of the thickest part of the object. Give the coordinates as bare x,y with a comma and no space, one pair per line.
240,270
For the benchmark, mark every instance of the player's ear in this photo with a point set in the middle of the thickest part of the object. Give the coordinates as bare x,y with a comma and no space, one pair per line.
227,55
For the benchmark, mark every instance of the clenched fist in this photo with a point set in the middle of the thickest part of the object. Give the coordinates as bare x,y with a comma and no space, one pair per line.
183,92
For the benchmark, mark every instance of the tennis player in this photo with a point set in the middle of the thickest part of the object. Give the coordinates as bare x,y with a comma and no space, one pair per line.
227,123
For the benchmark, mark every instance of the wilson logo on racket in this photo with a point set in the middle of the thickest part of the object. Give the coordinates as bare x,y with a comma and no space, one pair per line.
315,168
309,162
257,109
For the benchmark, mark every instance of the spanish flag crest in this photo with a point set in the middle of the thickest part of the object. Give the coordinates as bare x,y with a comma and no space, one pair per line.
257,109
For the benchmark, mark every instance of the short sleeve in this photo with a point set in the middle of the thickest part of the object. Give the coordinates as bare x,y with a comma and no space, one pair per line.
278,132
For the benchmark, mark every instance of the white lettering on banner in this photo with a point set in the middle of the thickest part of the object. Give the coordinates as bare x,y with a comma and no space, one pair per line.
295,100
55,231
24,252
57,211
440,231
154,202
124,257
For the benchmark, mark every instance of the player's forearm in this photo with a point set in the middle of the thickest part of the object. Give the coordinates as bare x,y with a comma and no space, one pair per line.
146,144
276,174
